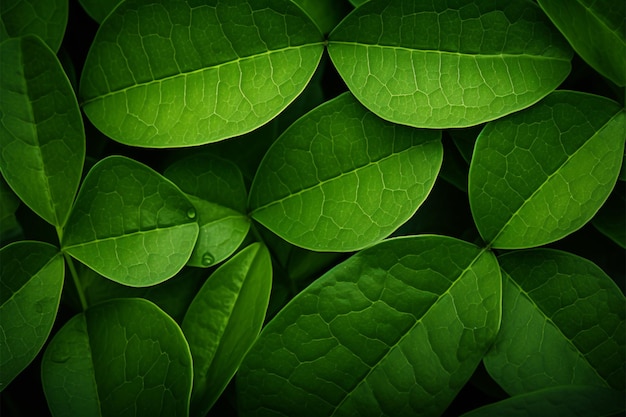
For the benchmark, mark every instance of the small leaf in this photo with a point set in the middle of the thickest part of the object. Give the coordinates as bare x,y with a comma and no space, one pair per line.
442,64
216,189
525,191
597,32
130,224
325,13
98,10
341,179
224,320
395,330
119,358
41,129
10,229
562,324
561,401
181,73
31,279
610,220
44,19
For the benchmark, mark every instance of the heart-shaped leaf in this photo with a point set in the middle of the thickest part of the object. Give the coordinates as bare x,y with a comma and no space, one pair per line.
395,330
541,174
44,19
123,357
181,73
441,64
341,178
130,224
31,279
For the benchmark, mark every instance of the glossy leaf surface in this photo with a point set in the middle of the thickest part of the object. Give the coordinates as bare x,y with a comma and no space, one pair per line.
130,224
341,178
215,187
118,358
526,192
42,140
562,324
224,320
181,73
31,279
597,32
442,64
397,329
46,19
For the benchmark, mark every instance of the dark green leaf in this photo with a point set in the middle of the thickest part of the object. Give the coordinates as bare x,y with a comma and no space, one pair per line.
325,13
99,9
130,224
10,229
610,220
395,330
441,64
43,18
341,179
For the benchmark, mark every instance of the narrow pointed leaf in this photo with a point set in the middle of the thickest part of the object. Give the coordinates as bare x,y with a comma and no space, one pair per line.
341,178
181,73
525,191
215,187
31,280
44,19
130,224
224,320
442,64
119,358
562,324
395,330
41,129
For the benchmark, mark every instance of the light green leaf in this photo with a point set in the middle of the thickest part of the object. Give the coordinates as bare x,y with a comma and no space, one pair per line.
41,129
215,187
597,32
10,229
120,358
562,324
224,320
99,9
442,64
43,18
561,401
610,220
181,73
541,174
395,330
31,279
130,224
341,179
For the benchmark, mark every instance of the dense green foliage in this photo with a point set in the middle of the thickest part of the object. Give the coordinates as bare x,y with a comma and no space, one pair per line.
312,208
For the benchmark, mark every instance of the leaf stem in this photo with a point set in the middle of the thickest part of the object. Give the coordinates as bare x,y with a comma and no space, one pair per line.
79,287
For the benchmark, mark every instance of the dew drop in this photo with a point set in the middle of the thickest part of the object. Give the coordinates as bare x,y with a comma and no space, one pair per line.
207,259
191,213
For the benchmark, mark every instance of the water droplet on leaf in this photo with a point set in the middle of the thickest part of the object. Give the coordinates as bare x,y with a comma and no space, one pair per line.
191,213
207,259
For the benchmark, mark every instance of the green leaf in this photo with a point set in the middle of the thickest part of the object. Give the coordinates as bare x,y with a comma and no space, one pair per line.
98,10
224,320
597,32
442,64
562,324
561,401
120,358
181,73
526,192
45,19
395,330
130,224
325,13
215,187
10,228
41,129
31,279
341,179
610,220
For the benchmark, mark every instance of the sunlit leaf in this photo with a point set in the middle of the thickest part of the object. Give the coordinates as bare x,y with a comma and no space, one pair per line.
43,18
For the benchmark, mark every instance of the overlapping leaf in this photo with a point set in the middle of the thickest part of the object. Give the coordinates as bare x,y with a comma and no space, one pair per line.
395,330
182,73
130,224
44,19
99,9
538,175
341,178
441,64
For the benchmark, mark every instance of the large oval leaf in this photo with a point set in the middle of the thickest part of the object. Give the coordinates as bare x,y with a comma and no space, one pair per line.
562,324
41,129
455,63
541,174
119,358
130,224
341,178
45,19
181,73
31,278
223,321
395,330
